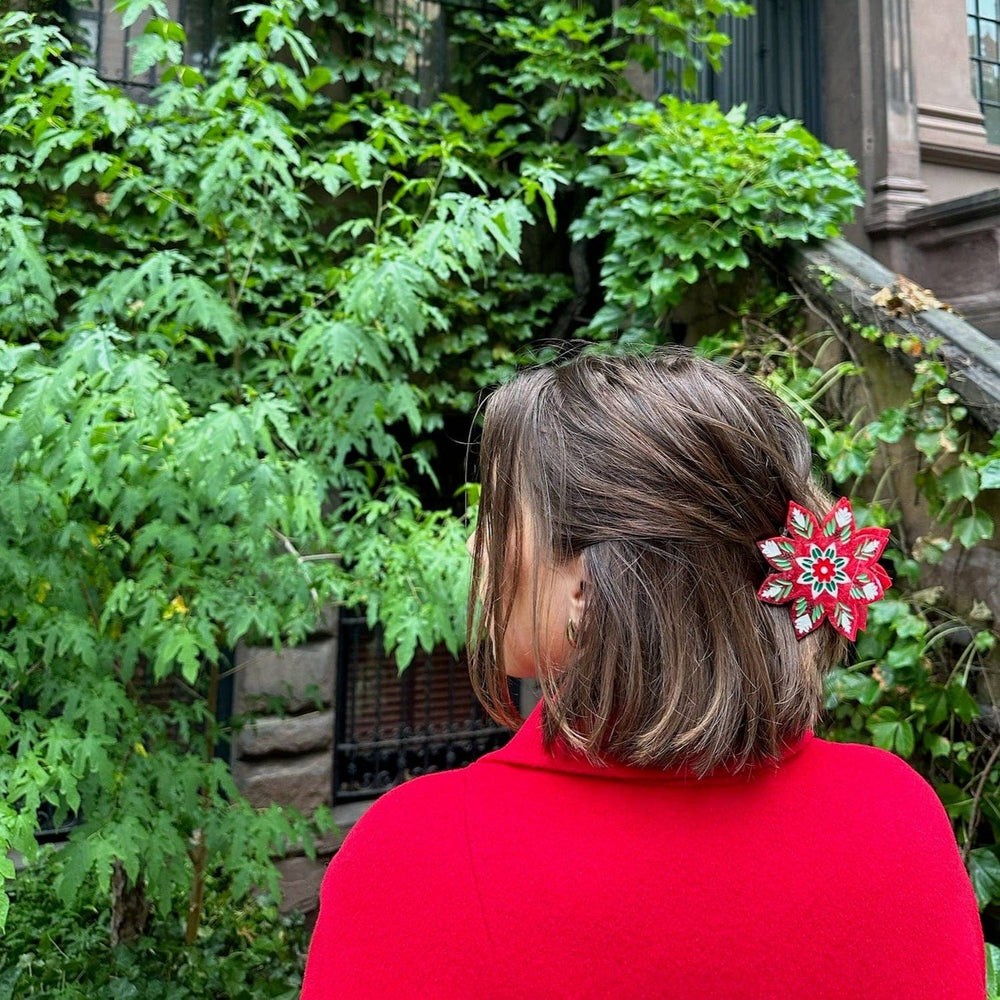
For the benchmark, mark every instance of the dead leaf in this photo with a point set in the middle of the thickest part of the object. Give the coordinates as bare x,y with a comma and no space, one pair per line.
905,297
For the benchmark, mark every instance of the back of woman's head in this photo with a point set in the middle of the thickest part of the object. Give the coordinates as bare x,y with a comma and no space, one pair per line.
660,473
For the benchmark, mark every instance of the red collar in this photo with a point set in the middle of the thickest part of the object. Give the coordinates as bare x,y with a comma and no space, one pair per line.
526,749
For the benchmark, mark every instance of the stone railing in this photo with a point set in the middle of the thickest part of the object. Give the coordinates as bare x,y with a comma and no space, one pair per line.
845,279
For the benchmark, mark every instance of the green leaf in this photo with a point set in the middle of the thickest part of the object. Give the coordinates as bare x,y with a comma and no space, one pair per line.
933,703
132,10
957,803
936,745
167,29
990,475
186,76
992,971
973,529
958,482
853,686
962,703
984,871
890,732
984,641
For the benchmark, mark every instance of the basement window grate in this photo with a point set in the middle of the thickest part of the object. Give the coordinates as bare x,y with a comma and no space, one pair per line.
392,727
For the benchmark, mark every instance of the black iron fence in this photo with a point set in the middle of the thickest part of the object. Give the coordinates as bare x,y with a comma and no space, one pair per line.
391,726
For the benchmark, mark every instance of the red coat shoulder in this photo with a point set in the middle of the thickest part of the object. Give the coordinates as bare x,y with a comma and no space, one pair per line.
403,874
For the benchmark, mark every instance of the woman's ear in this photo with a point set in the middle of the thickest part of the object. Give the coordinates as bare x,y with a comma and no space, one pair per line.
576,584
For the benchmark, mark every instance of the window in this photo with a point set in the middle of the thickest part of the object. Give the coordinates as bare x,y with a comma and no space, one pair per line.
391,727
984,53
108,40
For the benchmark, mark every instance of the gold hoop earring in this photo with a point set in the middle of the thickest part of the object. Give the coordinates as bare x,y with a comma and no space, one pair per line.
572,633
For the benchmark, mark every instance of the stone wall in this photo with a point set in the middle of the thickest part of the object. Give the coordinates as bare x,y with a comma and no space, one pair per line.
285,755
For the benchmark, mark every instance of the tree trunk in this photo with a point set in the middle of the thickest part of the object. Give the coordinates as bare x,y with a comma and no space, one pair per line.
129,907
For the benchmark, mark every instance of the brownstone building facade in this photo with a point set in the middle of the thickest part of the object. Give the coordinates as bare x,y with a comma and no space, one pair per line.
911,88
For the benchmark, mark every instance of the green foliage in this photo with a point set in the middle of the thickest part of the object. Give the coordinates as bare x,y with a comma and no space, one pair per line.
683,190
560,60
232,320
246,949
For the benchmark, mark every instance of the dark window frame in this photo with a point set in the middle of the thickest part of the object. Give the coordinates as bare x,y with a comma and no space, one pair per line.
92,28
985,66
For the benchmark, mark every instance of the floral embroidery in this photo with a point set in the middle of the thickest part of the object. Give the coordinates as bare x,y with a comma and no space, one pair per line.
826,570
822,571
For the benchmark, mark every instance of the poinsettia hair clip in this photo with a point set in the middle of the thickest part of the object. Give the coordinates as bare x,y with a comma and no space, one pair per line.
826,570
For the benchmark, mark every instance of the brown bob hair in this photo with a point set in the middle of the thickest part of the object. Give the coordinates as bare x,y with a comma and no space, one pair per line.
662,471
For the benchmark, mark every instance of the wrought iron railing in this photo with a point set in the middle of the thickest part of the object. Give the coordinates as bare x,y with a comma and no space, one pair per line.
391,727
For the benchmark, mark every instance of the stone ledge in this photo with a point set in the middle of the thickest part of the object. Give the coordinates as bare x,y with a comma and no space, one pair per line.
846,278
301,877
303,782
982,208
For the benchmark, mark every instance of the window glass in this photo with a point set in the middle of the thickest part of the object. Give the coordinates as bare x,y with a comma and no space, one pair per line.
991,85
984,56
110,44
992,121
987,40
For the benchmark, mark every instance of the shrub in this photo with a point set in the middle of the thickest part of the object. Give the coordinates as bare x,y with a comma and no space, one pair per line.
246,949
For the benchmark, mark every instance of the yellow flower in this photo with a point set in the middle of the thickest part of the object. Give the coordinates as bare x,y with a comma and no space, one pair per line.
96,535
175,607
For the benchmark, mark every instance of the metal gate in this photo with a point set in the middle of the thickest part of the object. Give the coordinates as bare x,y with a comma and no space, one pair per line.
391,727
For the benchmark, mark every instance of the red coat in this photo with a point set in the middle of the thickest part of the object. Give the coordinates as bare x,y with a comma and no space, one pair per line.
833,874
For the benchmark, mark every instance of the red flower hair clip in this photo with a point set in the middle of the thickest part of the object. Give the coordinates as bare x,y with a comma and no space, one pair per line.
827,570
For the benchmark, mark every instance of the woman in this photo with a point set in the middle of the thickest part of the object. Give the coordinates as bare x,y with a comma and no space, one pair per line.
664,824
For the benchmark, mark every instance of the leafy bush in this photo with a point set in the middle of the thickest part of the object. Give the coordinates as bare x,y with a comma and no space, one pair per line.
683,191
219,310
246,949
